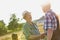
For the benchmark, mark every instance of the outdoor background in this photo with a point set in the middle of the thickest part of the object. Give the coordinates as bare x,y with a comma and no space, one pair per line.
11,20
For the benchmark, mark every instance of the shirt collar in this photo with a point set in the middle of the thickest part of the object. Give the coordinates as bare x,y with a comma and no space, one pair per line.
49,11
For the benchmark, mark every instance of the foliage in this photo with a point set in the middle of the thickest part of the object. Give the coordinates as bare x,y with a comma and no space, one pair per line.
13,25
20,26
2,28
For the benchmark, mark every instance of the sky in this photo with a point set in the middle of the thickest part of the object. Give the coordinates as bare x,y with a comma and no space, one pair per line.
8,7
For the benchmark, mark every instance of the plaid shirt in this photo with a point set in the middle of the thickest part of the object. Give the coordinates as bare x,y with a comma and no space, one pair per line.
50,21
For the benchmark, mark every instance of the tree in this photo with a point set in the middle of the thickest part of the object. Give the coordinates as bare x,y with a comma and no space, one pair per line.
13,24
2,24
20,26
2,28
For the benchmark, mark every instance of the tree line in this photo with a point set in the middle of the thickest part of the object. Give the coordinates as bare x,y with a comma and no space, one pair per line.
12,26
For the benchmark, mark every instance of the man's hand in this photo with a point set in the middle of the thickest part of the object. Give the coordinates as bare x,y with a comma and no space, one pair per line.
42,36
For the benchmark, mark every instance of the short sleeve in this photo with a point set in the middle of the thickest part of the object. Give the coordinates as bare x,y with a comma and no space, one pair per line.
26,31
47,22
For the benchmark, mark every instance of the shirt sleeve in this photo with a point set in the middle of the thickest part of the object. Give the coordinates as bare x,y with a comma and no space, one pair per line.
47,22
54,22
26,31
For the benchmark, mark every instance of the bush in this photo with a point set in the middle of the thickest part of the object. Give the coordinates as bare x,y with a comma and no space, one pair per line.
2,32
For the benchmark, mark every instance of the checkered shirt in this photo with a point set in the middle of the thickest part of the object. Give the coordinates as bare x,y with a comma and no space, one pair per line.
50,20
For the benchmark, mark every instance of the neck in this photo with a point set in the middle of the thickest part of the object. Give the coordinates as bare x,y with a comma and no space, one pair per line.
48,11
30,22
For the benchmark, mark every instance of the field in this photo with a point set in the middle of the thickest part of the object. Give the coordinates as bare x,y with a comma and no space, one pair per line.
20,34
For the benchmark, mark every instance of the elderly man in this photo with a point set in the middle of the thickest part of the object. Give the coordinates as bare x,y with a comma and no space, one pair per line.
50,23
30,29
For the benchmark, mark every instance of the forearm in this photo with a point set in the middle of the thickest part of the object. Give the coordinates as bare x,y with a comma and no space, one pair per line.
34,36
41,36
49,34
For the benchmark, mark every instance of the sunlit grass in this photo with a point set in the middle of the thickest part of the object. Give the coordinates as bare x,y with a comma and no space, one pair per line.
21,35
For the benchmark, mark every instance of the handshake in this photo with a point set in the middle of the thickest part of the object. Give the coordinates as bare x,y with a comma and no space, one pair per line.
42,36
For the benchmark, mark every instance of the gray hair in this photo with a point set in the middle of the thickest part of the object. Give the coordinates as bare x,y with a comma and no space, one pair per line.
24,14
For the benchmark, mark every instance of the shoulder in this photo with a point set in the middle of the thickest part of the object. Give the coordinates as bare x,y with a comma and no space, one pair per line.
25,25
34,23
